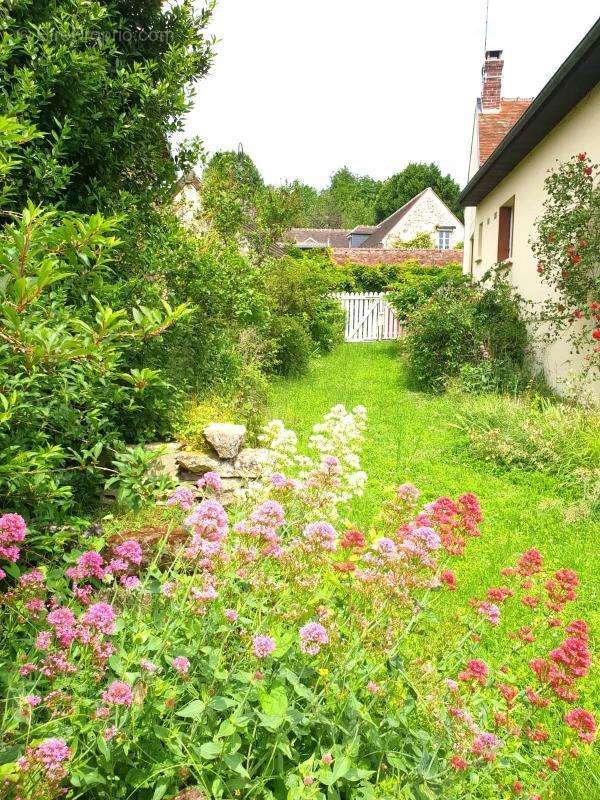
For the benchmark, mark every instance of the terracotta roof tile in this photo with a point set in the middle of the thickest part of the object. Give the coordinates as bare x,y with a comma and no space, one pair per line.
494,125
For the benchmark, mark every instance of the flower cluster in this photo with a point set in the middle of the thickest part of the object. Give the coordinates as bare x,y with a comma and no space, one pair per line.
12,533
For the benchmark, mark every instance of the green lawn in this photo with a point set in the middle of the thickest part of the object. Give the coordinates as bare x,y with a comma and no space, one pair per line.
411,438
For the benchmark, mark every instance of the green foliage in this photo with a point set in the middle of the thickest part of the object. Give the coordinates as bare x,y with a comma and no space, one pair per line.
540,436
348,201
238,206
416,283
106,84
420,241
413,179
69,396
134,481
292,346
567,246
304,318
458,326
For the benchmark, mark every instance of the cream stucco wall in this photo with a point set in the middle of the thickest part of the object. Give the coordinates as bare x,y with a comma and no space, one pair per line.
428,213
578,132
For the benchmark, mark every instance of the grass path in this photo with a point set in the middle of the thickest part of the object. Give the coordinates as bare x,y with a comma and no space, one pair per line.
411,438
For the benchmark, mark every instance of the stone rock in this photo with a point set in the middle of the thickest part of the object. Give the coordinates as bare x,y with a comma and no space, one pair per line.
252,462
226,438
166,463
197,464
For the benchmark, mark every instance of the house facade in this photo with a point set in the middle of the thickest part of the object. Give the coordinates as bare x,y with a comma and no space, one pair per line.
516,142
425,213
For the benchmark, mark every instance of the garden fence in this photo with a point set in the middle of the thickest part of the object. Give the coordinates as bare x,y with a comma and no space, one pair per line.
369,317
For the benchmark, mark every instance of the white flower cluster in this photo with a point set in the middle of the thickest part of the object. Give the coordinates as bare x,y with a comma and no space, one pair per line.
327,478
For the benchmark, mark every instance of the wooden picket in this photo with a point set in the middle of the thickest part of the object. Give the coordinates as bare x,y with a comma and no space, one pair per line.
369,317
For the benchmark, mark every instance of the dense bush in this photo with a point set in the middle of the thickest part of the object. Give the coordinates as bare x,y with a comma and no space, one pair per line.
282,656
106,84
304,317
405,276
459,329
416,283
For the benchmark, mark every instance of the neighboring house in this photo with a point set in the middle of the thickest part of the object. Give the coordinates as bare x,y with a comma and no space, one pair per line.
515,144
425,213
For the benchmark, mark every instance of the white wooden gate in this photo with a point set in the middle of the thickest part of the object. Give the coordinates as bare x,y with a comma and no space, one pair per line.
369,317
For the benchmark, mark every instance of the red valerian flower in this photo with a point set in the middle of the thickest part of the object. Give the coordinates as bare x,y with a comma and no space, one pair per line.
449,579
583,722
353,539
477,670
458,763
530,563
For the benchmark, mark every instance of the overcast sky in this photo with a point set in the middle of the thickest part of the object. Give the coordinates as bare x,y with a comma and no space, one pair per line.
307,86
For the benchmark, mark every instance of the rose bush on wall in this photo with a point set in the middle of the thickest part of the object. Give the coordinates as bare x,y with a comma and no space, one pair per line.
279,653
568,251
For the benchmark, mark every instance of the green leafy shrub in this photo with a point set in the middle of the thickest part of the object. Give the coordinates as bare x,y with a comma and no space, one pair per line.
421,241
416,283
304,318
292,346
541,436
474,331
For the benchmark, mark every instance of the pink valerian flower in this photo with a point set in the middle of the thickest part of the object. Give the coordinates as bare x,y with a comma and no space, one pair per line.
499,594
373,688
270,514
490,611
583,722
530,563
27,669
89,565
101,617
313,636
408,493
131,551
321,535
62,620
13,529
35,606
209,528
168,588
181,665
32,700
130,582
109,733
327,759
118,694
212,481
579,629
561,589
148,666
50,755
485,745
278,480
231,614
263,646
458,763
43,641
116,566
574,655
386,547
34,579
182,497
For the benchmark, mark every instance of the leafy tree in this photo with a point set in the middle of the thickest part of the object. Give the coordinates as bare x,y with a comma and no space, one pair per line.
416,177
238,205
349,200
106,83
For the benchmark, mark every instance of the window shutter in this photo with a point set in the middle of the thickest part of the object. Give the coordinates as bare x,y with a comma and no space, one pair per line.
504,232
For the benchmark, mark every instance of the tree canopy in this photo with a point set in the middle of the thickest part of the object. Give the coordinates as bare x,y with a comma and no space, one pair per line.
106,83
415,177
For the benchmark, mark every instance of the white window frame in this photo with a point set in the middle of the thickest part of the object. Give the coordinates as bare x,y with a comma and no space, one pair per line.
444,238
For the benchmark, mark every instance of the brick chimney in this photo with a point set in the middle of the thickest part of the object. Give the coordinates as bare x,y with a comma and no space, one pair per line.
492,80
